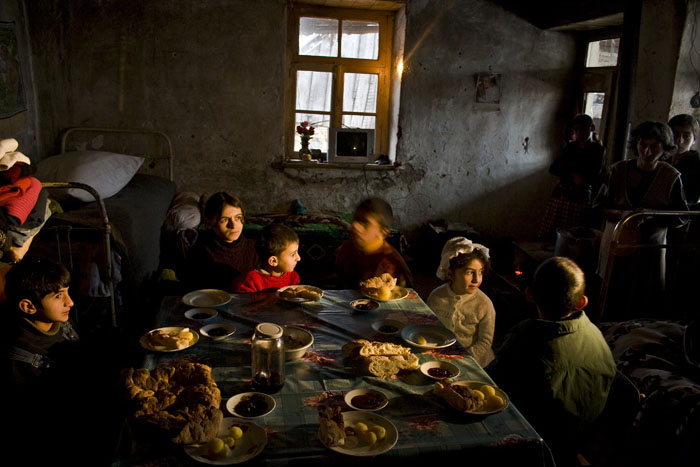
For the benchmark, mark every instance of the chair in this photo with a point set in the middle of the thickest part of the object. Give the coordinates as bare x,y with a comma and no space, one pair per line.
609,433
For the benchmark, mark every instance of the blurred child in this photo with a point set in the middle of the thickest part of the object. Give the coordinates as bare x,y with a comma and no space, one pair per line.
220,253
686,160
461,306
278,249
367,254
556,369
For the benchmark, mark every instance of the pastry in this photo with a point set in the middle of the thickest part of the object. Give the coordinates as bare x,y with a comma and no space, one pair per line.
457,396
381,359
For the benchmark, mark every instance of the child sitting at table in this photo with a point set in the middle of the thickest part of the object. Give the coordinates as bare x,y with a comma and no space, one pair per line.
556,369
44,363
461,306
367,254
278,249
221,252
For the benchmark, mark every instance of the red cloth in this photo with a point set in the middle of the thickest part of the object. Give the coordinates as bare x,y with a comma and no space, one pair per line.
19,199
256,281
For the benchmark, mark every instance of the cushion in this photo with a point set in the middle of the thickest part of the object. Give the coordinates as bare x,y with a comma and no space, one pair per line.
106,172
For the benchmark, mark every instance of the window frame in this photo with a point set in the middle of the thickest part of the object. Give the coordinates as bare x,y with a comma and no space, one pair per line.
339,66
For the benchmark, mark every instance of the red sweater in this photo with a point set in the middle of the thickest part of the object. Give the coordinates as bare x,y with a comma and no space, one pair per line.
256,281
353,265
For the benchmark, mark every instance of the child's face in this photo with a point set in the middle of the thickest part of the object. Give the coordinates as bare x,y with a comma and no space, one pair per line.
683,137
229,225
366,232
288,259
467,279
55,307
582,132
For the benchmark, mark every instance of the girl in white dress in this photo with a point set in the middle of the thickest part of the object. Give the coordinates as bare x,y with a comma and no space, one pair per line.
459,304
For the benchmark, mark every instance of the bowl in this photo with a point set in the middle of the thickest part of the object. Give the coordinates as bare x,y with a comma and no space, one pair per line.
438,369
296,341
251,405
388,327
217,331
366,399
201,314
363,305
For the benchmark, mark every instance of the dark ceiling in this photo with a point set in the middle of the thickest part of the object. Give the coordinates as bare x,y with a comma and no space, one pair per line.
571,15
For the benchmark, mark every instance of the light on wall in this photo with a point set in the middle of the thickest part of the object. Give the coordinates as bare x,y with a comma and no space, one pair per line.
399,67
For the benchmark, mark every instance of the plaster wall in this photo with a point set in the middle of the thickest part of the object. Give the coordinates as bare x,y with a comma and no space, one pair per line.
687,81
211,74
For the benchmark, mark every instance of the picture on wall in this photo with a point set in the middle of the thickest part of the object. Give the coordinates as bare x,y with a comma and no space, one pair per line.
12,100
488,89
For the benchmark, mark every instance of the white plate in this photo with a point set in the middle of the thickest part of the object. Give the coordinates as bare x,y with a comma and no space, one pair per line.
436,337
377,326
383,401
451,367
483,410
206,329
250,445
146,343
298,299
201,314
398,293
380,447
206,298
233,402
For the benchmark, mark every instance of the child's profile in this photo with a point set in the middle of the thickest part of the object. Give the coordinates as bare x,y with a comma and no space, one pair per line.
277,247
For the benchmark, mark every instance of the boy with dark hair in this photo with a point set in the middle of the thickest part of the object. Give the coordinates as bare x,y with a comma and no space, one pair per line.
43,363
278,249
221,252
556,369
367,254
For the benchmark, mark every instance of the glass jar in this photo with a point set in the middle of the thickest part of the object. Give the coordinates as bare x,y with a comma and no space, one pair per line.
267,358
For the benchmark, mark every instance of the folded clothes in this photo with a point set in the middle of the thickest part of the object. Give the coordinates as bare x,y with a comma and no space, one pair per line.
9,159
35,221
19,199
8,145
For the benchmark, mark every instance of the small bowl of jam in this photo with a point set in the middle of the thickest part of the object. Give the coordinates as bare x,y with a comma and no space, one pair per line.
388,327
217,331
363,305
438,369
251,405
366,399
201,314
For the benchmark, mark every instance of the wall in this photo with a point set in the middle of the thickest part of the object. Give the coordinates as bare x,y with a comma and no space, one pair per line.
211,75
687,81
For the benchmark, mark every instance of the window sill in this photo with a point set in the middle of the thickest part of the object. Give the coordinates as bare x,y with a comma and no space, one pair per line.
335,165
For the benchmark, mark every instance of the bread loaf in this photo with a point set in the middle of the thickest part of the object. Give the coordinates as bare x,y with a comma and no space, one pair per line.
381,359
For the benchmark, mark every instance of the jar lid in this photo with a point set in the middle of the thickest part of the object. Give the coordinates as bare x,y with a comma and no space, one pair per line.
269,330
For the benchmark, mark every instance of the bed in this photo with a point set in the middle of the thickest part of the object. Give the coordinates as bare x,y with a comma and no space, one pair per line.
110,191
662,358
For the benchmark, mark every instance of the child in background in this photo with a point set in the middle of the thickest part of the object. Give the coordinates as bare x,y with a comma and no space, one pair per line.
367,254
278,249
556,369
461,306
221,253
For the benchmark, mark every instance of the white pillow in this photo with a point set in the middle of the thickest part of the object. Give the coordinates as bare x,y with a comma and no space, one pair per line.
106,172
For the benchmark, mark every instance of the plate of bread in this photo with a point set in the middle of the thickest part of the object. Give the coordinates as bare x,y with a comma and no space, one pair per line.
300,293
473,397
382,288
381,359
356,433
169,339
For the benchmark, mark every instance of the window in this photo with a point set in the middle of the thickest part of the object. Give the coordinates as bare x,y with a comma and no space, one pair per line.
601,65
339,73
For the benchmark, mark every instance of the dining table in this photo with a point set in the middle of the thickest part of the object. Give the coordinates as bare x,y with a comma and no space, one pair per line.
427,429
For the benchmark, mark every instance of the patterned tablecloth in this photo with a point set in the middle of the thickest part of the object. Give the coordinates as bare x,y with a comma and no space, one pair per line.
428,429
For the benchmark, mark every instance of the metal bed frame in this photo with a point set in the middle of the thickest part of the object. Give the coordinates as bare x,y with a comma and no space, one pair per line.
160,151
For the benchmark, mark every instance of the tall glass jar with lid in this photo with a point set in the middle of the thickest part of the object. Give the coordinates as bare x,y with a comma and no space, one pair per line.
267,358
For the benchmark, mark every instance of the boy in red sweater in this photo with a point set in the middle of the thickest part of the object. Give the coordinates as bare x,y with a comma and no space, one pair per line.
278,249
